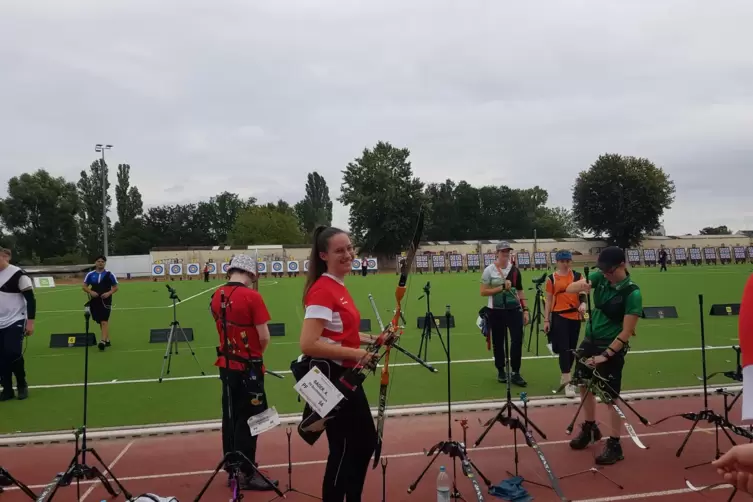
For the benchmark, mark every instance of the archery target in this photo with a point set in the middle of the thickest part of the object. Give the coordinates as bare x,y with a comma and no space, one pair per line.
725,253
680,254
225,267
176,269
372,263
739,252
192,269
306,266
356,265
422,262
539,258
212,268
695,254
293,267
456,260
277,267
474,260
157,269
709,253
261,267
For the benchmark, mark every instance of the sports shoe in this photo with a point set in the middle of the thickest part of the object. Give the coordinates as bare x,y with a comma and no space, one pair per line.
589,433
516,379
612,452
23,392
101,346
571,391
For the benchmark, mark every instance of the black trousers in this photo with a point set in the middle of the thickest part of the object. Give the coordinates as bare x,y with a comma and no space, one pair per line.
501,322
351,435
248,399
11,356
563,334
663,266
611,369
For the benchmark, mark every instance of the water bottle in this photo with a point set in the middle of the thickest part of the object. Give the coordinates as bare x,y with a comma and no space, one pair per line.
443,486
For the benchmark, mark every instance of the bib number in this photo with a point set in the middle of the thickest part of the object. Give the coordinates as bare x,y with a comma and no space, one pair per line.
319,392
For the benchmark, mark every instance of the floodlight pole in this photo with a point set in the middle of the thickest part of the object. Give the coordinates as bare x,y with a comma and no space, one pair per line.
102,148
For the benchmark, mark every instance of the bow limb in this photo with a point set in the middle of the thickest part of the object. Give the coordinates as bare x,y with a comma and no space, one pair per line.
393,331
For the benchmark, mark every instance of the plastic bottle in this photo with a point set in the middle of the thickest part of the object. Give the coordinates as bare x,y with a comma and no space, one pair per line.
443,486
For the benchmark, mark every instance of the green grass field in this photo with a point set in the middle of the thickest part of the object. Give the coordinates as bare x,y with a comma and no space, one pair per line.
55,375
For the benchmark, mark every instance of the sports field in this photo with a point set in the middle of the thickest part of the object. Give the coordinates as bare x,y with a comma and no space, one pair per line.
125,390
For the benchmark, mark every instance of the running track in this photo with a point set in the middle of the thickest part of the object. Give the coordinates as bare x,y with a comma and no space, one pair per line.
179,465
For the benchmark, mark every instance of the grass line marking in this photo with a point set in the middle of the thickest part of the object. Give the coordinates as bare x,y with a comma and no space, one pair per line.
433,363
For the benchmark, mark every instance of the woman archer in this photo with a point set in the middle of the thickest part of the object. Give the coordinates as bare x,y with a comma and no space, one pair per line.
330,338
501,282
562,316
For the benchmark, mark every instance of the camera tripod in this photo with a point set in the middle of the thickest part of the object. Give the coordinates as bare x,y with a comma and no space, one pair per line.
7,480
536,317
76,470
450,447
172,341
504,416
430,324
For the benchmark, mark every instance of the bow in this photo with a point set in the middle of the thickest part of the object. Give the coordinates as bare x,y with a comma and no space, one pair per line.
255,283
392,328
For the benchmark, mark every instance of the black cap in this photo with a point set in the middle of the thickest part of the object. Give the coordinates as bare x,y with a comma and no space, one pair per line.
610,258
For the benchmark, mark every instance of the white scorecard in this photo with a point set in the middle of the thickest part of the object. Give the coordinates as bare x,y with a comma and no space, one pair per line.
264,421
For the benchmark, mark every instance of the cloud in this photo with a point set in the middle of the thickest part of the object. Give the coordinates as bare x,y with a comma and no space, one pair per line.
250,96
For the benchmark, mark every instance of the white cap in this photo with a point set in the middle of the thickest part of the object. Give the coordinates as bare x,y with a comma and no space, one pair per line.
245,263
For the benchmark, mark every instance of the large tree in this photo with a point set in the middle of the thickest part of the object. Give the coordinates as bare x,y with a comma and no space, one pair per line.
129,235
316,207
40,213
221,212
620,198
269,224
720,230
90,218
443,220
384,199
557,222
178,225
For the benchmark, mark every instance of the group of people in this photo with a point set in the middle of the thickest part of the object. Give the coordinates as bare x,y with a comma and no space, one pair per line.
617,306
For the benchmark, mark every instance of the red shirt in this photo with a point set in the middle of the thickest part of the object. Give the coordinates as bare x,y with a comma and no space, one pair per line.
245,309
330,300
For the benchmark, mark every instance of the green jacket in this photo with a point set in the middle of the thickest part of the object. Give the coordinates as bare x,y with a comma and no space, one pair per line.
611,304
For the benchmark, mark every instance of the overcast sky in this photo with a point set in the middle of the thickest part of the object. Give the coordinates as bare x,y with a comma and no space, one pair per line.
248,95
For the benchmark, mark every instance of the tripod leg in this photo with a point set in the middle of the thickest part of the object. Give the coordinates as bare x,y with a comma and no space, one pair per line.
687,437
490,424
439,449
211,478
167,357
104,480
185,339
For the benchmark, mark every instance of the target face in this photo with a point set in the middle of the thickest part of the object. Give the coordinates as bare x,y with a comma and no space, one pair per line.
356,263
277,267
175,269
193,268
372,263
212,268
262,267
293,266
158,269
225,267
306,266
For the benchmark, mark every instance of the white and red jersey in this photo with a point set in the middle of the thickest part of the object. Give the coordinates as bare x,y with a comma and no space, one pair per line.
329,299
745,334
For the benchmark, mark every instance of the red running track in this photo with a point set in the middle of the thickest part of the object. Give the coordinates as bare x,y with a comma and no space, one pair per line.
180,465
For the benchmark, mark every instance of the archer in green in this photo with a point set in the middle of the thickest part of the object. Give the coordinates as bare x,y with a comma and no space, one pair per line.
617,306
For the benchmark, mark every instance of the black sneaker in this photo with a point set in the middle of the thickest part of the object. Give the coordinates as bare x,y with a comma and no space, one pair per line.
101,345
7,396
589,433
5,481
612,453
107,343
23,392
255,483
516,379
502,377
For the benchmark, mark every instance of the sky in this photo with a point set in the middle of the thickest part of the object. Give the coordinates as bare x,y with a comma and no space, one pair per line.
248,96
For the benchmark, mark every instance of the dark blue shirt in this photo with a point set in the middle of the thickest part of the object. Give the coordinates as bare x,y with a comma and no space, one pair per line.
101,282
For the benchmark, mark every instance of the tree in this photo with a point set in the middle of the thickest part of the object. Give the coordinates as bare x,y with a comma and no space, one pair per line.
720,230
129,235
557,222
621,198
178,225
265,225
384,199
316,207
40,213
90,218
221,212
443,221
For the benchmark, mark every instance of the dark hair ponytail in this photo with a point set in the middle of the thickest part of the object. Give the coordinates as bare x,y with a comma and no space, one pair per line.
317,266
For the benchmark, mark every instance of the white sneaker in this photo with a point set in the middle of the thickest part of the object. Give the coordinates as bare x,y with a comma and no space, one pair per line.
570,391
549,346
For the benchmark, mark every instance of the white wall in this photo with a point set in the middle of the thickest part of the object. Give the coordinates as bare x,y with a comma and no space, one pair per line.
136,265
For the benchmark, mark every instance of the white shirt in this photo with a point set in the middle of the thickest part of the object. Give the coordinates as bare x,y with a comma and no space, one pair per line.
491,277
12,304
